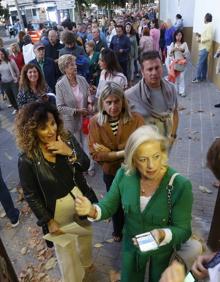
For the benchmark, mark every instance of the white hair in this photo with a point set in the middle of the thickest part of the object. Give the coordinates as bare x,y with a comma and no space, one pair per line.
143,134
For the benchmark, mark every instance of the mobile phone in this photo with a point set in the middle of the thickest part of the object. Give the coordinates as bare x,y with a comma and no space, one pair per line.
146,242
190,277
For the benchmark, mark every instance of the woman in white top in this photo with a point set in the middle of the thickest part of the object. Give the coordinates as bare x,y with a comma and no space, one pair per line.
28,49
111,71
179,50
9,76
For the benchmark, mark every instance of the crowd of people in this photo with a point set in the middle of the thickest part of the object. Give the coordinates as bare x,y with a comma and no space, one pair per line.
77,103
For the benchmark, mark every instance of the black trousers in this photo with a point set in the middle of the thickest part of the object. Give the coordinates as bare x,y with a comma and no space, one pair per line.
118,217
11,90
124,66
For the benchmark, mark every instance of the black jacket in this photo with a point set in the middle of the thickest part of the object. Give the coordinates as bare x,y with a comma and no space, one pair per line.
38,181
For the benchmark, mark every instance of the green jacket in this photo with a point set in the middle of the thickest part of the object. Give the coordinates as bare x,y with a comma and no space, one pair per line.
126,189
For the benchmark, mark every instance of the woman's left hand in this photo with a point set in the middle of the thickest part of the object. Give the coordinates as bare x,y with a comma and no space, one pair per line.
100,148
59,147
159,235
174,273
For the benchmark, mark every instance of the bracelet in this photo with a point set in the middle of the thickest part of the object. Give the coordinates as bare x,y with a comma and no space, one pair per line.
173,136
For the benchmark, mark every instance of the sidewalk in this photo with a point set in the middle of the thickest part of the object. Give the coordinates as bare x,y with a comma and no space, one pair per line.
199,125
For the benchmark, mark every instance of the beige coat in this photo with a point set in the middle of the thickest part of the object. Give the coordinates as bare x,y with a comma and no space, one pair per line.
66,102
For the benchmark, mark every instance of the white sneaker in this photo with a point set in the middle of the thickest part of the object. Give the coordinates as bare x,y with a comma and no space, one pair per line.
14,224
14,112
9,105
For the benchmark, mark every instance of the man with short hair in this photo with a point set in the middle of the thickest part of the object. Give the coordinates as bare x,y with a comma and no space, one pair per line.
121,45
205,44
155,98
47,65
99,44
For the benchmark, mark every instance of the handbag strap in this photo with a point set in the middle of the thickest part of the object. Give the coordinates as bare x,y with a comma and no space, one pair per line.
169,195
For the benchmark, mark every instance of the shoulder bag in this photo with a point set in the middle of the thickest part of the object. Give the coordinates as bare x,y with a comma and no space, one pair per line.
190,249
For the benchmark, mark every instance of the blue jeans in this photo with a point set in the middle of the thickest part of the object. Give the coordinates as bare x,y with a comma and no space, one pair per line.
6,201
202,66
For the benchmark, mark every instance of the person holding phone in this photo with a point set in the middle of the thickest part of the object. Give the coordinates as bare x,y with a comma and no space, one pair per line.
51,168
140,186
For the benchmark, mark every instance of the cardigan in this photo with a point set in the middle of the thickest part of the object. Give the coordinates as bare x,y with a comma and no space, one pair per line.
126,190
102,134
67,104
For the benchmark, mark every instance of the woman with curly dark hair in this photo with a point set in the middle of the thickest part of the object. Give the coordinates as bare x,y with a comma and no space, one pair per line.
51,170
32,86
111,70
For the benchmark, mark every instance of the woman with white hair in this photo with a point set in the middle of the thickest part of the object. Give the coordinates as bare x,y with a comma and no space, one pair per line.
143,186
72,95
108,133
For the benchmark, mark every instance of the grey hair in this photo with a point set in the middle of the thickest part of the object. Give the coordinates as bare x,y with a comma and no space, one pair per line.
143,134
64,60
112,88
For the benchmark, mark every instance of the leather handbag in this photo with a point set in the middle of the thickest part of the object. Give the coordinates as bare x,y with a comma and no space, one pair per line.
193,247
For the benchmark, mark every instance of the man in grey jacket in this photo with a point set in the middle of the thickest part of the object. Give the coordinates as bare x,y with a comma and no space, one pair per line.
155,98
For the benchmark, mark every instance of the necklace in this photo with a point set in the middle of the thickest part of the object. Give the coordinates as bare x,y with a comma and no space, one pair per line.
147,188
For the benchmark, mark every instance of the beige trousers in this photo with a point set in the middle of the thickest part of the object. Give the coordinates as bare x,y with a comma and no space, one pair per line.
77,254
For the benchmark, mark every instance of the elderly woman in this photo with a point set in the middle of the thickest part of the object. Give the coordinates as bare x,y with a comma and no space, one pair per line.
108,134
51,170
142,187
72,94
32,86
94,70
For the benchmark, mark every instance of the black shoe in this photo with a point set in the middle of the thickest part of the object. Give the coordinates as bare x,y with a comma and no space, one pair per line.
217,105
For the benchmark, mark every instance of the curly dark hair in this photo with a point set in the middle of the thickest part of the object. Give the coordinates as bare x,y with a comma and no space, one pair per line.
112,65
28,119
24,82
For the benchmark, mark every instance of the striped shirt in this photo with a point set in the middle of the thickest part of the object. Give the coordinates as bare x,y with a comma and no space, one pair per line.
114,126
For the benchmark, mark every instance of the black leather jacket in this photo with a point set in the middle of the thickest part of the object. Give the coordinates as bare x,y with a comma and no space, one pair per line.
36,177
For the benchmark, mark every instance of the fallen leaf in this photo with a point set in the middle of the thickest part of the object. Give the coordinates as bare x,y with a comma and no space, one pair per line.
98,245
51,263
24,251
205,190
110,241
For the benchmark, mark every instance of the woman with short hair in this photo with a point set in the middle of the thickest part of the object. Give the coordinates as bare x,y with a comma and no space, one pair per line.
141,186
109,130
72,95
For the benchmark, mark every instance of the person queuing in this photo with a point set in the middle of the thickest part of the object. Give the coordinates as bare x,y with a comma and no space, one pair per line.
155,34
140,185
178,54
46,65
154,97
32,86
54,46
94,70
16,55
72,95
50,166
109,130
9,73
121,45
130,33
205,43
28,49
71,47
110,71
99,44
7,203
146,41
